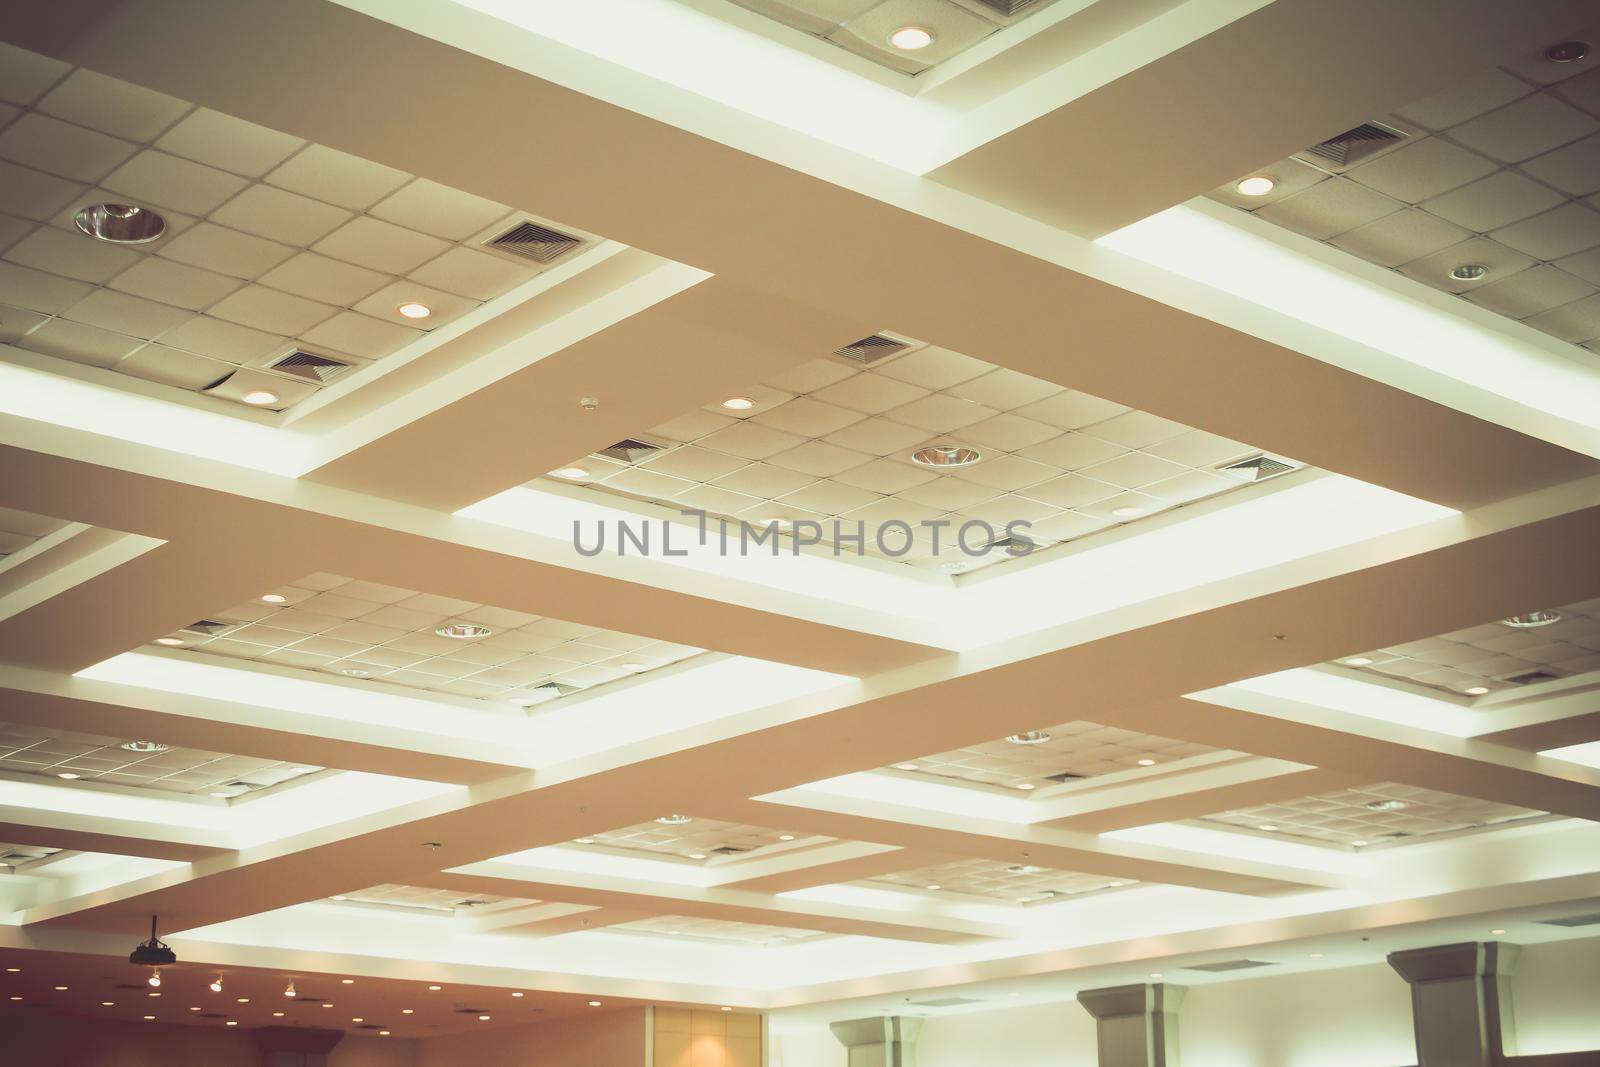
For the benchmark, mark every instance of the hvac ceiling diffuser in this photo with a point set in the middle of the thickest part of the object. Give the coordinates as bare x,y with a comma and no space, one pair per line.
533,241
1353,146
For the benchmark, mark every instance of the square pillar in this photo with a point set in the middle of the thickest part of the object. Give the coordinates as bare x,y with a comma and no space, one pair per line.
1137,1025
885,1041
1461,1002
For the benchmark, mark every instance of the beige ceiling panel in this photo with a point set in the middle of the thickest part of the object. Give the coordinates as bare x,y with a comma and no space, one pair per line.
168,181
112,106
337,177
80,343
228,143
62,149
280,215
174,283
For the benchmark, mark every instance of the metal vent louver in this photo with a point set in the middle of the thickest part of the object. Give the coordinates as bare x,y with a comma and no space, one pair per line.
728,850
1008,8
533,241
1352,146
870,350
1591,919
1530,678
1015,545
309,366
946,1002
1229,965
208,627
1064,776
1255,469
631,450
559,689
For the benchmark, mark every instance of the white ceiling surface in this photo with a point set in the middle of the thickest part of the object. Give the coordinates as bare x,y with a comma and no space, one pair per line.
19,529
337,625
833,443
272,244
1501,170
844,892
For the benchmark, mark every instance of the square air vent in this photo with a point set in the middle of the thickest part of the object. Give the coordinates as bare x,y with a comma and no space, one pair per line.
1255,469
557,689
1530,678
208,628
1354,146
874,349
1228,965
631,450
728,850
1008,8
1591,919
1064,776
309,366
533,241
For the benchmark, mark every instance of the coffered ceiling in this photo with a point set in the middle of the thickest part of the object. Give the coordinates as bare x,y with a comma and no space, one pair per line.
351,702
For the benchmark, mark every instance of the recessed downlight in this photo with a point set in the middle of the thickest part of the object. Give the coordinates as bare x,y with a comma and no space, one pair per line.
1567,51
260,397
1267,827
738,403
1025,868
1497,931
911,38
413,310
1026,786
463,631
1147,763
170,642
935,887
355,672
1475,690
1533,619
1128,512
1358,661
594,1003
785,837
1029,737
1468,272
274,598
572,474
1256,185
697,855
946,456
146,746
120,224
674,819
69,776
1386,805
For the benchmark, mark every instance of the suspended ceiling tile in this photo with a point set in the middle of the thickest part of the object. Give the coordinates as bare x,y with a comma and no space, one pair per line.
224,340
280,215
337,177
79,343
14,322
168,181
174,283
361,335
126,314
1435,269
1500,199
320,278
1529,127
225,251
37,290
1465,100
379,245
25,76
1560,232
61,148
472,274
1401,237
1574,169
1424,169
1532,291
1330,208
34,194
1576,322
438,210
266,309
111,106
228,143
170,366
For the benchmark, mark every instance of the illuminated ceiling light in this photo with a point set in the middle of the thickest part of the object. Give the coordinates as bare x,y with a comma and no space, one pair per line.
1386,805
169,641
1155,974
154,952
936,888
1267,827
1025,868
1468,272
1314,956
325,1005
260,397
13,970
435,988
288,991
571,473
120,224
383,1033
69,776
1567,51
1029,737
463,631
216,984
1533,619
905,766
1358,661
347,981
244,1000
152,994
274,598
60,989
149,1018
355,672
1497,933
594,1003
726,1008
697,855
231,1022
584,841
517,993
154,981
785,837
1147,763
946,456
413,310
221,795
1475,690
1115,885
674,819
1359,844
145,746
358,1019
108,1003
738,403
277,1015
1026,786
483,1018
1256,185
911,38
408,1011
1129,512
196,1008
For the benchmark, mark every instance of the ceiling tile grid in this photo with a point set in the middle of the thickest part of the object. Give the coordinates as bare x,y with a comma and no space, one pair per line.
272,244
699,840
1501,171
360,629
410,896
827,442
18,856
1078,749
757,935
1381,814
89,758
1019,884
19,529
1494,656
864,26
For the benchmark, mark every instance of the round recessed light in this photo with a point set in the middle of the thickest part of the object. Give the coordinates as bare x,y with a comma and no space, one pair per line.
575,474
435,988
68,775
1155,974
911,38
413,310
483,1018
355,672
697,855
347,981
1314,955
1386,805
516,993
738,403
170,642
383,1033
274,598
327,1005
231,1022
108,1003
1267,827
60,989
1029,737
1256,185
905,766
120,224
277,1015
1358,661
946,456
1497,932
260,397
216,985
1567,51
1468,272
149,1018
778,521
1533,619
726,1008
785,837
146,746
1358,844
1024,868
1147,763
357,1019
1129,512
1115,885
1475,690
1026,786
674,819
935,887
408,1011
585,841
594,1003
221,794
633,668
463,631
